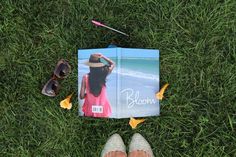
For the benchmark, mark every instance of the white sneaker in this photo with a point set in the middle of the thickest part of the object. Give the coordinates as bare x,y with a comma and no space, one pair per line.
138,142
114,143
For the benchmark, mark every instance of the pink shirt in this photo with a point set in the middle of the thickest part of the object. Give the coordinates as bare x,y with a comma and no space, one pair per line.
96,106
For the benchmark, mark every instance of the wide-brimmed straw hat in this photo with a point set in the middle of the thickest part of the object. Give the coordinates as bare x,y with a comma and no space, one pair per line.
94,61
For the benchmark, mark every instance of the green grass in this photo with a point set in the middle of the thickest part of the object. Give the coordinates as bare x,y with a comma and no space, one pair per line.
197,41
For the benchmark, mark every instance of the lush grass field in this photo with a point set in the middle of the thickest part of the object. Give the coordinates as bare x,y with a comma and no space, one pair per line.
197,40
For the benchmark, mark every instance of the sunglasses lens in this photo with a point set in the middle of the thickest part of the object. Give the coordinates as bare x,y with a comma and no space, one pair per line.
62,70
51,88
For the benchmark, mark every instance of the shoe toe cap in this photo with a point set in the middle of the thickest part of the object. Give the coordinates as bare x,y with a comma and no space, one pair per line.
138,142
114,143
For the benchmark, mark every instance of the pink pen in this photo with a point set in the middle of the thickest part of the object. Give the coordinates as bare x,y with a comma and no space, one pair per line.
102,25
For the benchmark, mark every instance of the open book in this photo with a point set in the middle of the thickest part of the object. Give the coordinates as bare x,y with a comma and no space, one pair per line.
118,82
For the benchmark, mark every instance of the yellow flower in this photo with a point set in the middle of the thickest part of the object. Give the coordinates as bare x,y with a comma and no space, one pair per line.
66,104
160,94
134,122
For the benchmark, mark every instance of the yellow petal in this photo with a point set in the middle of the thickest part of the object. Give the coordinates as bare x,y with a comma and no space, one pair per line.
66,104
134,122
160,94
69,96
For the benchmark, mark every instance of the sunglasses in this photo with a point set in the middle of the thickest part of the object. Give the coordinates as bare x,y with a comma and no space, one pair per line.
61,71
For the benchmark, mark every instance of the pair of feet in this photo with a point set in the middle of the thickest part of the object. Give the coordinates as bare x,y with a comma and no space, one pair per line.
115,147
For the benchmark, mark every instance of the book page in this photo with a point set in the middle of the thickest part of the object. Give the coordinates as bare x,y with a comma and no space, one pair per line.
139,81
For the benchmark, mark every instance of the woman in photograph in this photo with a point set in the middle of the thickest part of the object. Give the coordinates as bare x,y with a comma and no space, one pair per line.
93,87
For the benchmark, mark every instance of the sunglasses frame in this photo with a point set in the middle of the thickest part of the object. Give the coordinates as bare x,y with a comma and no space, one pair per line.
56,77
